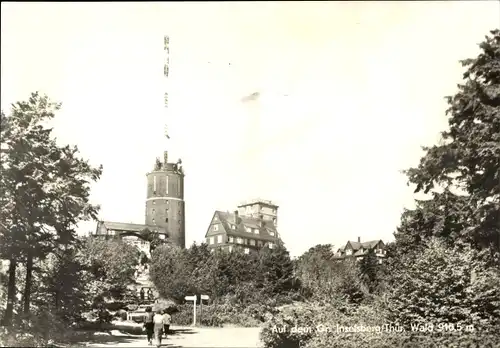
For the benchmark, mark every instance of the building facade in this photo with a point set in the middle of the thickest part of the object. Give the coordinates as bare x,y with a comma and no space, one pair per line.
251,227
358,250
165,200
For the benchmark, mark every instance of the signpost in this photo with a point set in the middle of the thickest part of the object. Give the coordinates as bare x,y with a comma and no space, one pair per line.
202,297
192,298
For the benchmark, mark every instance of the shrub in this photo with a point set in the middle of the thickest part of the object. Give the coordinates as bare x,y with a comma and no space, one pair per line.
445,285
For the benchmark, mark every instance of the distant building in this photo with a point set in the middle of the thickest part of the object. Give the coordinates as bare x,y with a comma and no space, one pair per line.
164,213
129,233
358,250
251,227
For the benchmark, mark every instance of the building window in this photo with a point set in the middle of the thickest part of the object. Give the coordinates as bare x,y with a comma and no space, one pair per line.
256,231
271,233
233,227
219,238
166,185
271,245
112,232
168,202
154,184
154,202
239,240
274,220
230,248
348,252
247,251
153,211
230,239
162,236
248,229
212,240
259,243
216,228
252,241
215,217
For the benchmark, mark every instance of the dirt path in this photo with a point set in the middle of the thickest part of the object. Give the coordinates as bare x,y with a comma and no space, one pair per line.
185,337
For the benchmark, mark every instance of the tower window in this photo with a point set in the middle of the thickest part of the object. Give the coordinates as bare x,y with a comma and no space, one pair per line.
154,184
153,211
154,202
166,185
166,211
153,220
166,220
168,202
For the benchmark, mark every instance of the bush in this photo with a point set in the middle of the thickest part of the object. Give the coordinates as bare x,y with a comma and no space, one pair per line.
38,329
216,315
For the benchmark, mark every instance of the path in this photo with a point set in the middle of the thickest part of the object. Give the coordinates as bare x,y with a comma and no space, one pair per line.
186,337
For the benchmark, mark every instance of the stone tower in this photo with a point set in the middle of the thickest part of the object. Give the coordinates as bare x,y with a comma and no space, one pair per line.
165,199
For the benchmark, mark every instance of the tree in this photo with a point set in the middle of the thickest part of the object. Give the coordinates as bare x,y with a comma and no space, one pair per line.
63,288
466,164
170,273
369,267
151,237
276,271
315,270
112,264
445,285
45,190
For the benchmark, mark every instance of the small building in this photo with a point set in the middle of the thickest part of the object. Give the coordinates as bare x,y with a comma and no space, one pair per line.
129,233
251,227
358,250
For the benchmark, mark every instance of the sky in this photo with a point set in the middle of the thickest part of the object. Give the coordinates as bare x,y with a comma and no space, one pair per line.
350,91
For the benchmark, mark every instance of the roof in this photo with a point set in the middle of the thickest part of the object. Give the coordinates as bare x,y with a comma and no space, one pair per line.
365,245
128,227
258,201
227,219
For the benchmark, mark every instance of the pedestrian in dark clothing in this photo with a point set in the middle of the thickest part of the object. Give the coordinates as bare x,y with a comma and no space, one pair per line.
167,319
149,324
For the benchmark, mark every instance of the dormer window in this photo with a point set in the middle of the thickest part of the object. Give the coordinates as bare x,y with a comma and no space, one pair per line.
271,233
348,252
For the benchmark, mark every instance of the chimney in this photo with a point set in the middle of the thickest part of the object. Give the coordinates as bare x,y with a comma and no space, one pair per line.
236,217
359,239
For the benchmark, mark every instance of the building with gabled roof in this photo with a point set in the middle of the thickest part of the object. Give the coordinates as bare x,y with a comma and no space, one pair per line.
130,233
359,249
251,227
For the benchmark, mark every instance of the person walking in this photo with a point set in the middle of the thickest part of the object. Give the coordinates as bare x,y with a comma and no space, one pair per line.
158,327
149,324
167,319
